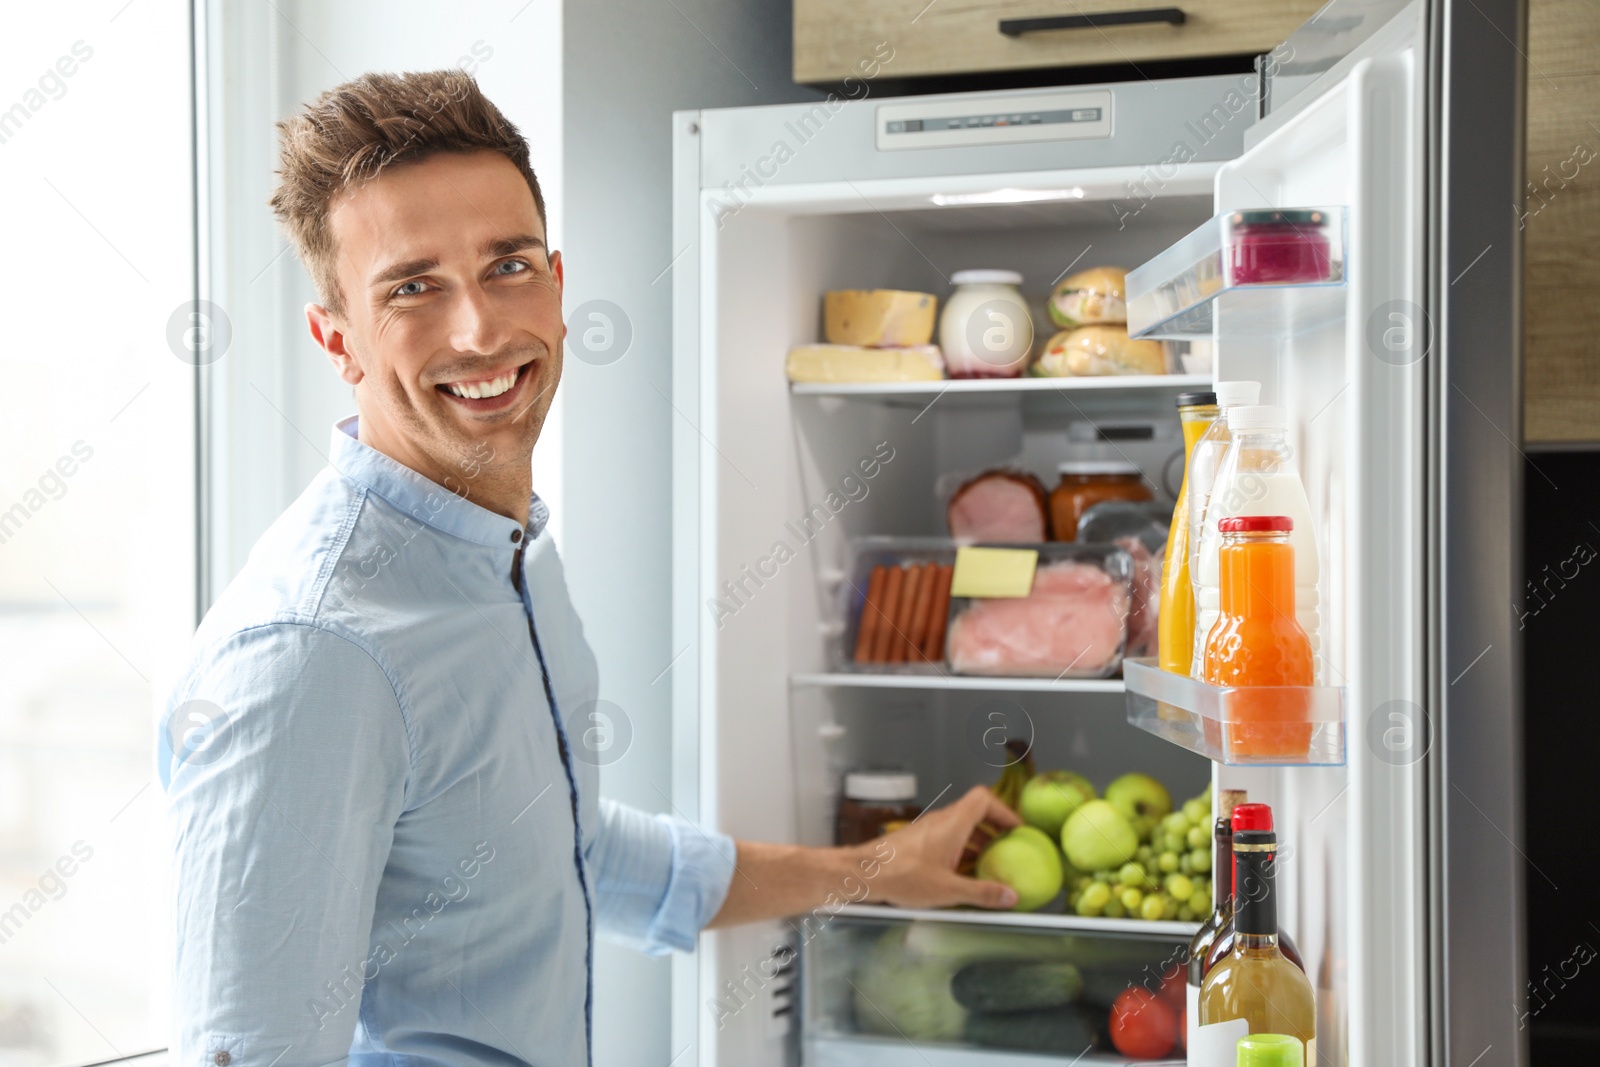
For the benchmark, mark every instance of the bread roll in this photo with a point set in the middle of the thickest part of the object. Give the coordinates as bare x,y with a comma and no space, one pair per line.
1097,295
1092,351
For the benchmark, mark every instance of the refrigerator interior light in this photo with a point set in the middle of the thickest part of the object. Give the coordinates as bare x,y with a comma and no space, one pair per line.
1007,196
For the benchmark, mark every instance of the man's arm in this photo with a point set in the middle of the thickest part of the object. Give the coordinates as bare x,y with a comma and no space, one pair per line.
285,765
914,867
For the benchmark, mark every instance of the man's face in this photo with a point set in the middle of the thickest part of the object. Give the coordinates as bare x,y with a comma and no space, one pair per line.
451,333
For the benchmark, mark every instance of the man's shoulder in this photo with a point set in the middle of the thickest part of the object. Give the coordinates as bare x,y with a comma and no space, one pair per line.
286,577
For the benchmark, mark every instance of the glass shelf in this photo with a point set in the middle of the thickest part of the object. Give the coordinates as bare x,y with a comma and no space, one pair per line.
862,680
1031,920
1247,273
1214,721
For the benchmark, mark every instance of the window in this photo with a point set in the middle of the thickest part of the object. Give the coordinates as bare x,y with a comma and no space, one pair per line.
97,525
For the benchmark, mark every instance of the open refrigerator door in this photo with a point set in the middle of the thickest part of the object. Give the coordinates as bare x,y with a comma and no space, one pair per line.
1345,361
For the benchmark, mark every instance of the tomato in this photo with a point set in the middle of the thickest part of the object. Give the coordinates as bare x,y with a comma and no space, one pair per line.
1143,1025
1173,989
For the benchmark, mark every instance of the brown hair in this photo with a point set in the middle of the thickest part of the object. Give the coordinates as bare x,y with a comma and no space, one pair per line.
353,131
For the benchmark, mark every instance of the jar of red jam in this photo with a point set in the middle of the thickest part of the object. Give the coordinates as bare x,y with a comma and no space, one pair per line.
873,803
1271,247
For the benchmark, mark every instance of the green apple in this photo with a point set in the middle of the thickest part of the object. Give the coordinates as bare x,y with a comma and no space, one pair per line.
1140,798
1097,837
1027,861
1050,797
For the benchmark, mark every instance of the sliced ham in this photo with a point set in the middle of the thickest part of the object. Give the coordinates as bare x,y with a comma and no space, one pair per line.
1000,505
1071,624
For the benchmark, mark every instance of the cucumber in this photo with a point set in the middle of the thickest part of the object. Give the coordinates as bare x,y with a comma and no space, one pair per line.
1016,985
1070,1030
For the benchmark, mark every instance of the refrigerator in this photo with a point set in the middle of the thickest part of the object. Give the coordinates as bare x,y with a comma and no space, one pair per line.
1401,874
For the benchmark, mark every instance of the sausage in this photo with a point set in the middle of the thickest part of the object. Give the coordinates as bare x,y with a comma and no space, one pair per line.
917,633
899,642
938,614
885,631
869,622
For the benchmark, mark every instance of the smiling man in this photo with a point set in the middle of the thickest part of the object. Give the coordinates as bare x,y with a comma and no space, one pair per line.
388,848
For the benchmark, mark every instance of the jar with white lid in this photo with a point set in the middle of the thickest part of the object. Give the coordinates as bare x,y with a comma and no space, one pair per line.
986,328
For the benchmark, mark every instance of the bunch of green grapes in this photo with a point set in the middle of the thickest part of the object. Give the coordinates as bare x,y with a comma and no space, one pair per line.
1168,878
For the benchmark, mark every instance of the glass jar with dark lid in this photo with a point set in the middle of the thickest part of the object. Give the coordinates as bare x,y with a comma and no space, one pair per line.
1273,247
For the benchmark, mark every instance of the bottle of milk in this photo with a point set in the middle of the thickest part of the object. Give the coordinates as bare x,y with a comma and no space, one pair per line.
1258,476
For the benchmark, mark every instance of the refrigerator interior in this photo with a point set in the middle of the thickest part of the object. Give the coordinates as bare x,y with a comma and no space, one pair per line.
783,730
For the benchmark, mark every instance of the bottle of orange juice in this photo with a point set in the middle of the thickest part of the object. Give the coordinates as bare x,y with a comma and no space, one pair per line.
1257,644
1175,622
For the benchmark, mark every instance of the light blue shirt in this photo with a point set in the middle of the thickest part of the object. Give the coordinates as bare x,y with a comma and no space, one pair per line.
381,773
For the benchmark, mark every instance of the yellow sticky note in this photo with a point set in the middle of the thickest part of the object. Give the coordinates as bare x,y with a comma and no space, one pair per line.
994,572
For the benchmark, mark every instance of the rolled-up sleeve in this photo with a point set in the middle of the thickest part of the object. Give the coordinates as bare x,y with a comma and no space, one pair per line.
658,880
285,759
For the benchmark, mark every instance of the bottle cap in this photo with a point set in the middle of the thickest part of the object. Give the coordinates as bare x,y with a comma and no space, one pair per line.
1255,524
880,786
1196,400
986,277
1270,1050
1097,466
1252,817
1234,394
1257,417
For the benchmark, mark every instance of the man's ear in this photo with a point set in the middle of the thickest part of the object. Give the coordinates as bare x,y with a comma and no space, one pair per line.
325,331
558,270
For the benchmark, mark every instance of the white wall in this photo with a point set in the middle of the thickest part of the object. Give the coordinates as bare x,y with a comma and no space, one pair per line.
628,65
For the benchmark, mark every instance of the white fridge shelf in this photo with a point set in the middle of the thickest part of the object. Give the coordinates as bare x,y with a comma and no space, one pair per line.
970,683
1065,391
1242,726
1029,920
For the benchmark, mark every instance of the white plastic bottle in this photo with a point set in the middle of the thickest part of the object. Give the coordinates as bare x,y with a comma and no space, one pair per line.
1207,456
1258,476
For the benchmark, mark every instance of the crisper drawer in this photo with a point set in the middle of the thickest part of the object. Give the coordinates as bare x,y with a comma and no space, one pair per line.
883,991
838,39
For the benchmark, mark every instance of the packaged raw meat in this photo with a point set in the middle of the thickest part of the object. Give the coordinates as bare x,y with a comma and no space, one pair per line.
1072,624
1003,505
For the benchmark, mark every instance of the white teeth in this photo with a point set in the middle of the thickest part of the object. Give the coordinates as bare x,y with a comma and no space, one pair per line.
484,390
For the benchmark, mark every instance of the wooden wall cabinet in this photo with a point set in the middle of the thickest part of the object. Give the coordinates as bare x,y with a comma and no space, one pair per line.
1560,215
833,38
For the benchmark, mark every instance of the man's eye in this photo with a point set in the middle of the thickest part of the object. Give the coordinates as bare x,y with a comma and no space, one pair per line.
520,265
409,289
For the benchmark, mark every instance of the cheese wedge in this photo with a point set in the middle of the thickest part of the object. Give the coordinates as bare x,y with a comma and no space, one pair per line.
877,318
855,363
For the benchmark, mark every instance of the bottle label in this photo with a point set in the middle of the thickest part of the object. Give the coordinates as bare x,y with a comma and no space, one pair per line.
1191,1015
1217,1044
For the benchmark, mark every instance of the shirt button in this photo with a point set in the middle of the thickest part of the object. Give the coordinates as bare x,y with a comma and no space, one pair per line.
223,1058
516,535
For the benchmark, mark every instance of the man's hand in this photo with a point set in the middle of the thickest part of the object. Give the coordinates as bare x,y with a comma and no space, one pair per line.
915,867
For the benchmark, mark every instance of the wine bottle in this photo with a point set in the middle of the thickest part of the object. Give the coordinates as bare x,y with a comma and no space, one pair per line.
1245,817
1221,912
1255,989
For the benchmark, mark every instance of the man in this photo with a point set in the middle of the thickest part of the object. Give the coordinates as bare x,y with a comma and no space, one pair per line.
385,849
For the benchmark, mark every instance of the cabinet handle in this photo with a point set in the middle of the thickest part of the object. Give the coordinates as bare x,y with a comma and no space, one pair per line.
1172,16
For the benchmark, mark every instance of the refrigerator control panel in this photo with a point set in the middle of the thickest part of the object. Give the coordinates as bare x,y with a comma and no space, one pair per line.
1071,116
